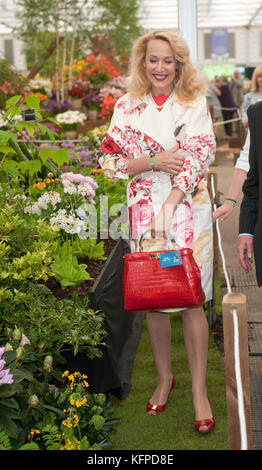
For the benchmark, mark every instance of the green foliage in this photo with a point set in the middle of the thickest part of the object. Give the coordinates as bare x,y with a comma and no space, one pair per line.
26,160
121,19
14,82
81,248
68,272
52,322
39,21
4,441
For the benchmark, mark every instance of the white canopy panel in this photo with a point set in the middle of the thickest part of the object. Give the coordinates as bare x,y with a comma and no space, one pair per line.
226,13
157,14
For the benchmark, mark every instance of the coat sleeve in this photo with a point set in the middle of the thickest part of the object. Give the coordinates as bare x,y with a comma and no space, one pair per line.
112,158
198,146
242,161
249,206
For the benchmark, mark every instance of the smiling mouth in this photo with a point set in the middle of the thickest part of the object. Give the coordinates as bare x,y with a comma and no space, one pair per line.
159,77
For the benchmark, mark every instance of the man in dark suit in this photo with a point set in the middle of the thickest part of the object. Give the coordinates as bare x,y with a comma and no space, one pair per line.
250,220
227,104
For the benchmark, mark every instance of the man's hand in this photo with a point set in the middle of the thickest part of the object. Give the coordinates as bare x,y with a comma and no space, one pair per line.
245,252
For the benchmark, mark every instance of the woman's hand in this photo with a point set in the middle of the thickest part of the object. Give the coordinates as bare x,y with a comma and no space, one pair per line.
223,212
169,161
162,224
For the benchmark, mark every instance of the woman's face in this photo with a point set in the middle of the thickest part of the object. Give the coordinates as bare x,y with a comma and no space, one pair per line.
160,67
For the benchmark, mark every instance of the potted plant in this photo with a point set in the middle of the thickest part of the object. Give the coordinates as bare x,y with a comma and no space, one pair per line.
69,122
76,94
92,102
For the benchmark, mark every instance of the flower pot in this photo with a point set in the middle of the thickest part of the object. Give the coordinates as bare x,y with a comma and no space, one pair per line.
92,114
77,103
71,135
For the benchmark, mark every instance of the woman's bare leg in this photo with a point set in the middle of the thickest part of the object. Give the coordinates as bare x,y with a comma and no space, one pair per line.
159,330
195,329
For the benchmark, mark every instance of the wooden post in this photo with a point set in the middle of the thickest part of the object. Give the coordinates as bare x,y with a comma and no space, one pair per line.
237,300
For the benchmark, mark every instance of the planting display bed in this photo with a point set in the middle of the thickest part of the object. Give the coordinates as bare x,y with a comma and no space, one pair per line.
112,373
94,267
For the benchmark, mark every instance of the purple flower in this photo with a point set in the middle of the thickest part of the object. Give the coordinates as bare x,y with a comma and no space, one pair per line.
2,350
84,154
56,107
5,377
92,97
67,145
24,340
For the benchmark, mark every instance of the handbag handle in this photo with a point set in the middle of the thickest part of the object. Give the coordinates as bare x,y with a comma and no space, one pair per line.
149,230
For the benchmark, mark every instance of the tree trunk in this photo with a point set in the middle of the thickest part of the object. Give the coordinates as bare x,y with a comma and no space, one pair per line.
36,69
71,61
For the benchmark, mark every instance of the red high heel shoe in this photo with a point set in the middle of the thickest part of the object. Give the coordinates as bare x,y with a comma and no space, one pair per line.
160,408
209,423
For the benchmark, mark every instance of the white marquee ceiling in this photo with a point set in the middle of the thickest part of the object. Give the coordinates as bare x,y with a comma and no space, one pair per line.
210,13
156,14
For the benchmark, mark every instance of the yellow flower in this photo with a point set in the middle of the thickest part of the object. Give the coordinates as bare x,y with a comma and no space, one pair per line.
33,432
72,401
65,374
76,420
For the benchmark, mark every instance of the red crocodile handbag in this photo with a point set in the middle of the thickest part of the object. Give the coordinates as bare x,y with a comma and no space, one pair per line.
161,280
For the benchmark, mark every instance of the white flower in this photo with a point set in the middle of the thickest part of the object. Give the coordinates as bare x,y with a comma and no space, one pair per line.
4,122
86,191
71,117
67,222
41,83
70,188
32,209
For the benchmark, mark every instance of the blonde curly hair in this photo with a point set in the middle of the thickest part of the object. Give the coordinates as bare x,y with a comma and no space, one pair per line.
189,82
257,72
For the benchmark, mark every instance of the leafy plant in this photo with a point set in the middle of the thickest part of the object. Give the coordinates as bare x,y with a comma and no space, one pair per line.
4,441
86,421
68,272
50,322
26,159
87,248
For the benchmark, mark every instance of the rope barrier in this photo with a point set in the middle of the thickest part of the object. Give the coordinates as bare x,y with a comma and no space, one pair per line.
220,123
240,395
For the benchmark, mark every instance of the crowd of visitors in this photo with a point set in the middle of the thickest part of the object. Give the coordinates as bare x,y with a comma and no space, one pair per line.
230,95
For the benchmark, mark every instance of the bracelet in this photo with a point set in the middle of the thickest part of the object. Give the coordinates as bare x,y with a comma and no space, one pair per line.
230,202
152,162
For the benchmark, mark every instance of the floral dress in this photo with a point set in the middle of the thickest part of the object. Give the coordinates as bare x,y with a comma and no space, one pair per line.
138,128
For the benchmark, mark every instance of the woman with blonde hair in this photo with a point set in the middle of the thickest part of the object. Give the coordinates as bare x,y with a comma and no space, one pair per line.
254,95
161,134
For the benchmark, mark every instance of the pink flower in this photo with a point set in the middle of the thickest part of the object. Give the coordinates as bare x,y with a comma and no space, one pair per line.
24,340
2,350
6,378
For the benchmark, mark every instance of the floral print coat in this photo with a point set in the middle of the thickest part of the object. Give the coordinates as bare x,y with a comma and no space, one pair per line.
137,128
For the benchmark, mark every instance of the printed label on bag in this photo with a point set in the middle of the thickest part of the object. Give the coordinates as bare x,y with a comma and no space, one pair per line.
170,259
